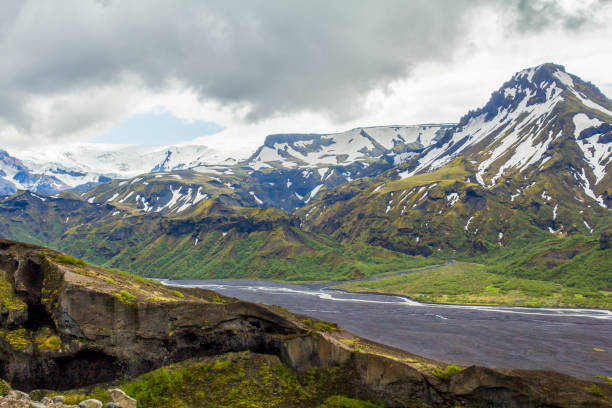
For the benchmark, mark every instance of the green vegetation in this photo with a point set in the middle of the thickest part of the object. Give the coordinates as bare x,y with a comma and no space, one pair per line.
8,299
126,297
233,381
320,326
596,391
469,283
4,388
340,401
17,339
446,373
606,379
69,260
45,341
286,254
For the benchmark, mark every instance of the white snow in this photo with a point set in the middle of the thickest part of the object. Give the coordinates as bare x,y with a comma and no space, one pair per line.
113,197
256,198
346,147
452,199
199,197
586,186
378,188
564,78
116,161
588,227
314,192
126,197
555,211
467,224
176,195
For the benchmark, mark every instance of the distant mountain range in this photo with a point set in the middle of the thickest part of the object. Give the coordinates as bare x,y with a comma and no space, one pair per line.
523,184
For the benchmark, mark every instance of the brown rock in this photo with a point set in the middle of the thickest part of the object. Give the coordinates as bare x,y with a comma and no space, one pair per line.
121,399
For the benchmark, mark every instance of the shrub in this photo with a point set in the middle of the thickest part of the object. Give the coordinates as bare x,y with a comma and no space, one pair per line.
69,260
596,391
447,373
126,297
46,342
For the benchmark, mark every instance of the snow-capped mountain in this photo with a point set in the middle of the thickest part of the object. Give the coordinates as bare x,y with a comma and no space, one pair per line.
542,116
15,175
287,171
357,145
93,163
531,165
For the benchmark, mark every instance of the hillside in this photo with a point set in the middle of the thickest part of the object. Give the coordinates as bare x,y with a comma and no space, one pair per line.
520,184
69,325
211,238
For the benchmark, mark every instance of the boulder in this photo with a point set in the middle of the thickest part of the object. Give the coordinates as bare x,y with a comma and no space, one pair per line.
59,399
90,403
121,399
18,395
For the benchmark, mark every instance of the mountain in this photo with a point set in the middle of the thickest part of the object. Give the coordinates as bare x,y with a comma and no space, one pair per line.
286,172
524,180
542,118
521,184
15,175
191,233
90,164
361,145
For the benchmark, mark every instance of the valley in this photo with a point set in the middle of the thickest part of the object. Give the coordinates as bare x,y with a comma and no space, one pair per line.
482,243
510,337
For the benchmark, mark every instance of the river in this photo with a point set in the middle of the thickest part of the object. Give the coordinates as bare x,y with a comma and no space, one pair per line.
573,341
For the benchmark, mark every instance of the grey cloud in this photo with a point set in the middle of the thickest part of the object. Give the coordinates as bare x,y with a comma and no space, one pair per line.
275,56
537,15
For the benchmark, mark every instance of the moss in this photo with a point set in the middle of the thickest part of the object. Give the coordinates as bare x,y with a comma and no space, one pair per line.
340,401
446,373
5,387
8,298
237,380
178,294
17,339
320,326
596,391
126,297
46,341
606,379
69,260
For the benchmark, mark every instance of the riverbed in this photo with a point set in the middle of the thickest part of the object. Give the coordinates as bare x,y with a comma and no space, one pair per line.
573,341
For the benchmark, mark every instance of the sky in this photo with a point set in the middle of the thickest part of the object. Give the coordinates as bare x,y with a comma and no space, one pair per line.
227,73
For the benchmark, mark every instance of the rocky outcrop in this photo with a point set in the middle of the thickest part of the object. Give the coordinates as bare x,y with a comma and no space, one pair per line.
65,324
19,399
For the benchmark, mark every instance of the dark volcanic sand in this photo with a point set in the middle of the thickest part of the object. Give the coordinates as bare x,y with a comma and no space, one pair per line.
555,339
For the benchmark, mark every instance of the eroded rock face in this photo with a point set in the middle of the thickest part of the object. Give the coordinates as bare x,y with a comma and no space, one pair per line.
101,337
65,326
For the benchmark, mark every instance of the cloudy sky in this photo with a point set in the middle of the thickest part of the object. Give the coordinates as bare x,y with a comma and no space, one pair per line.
226,73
